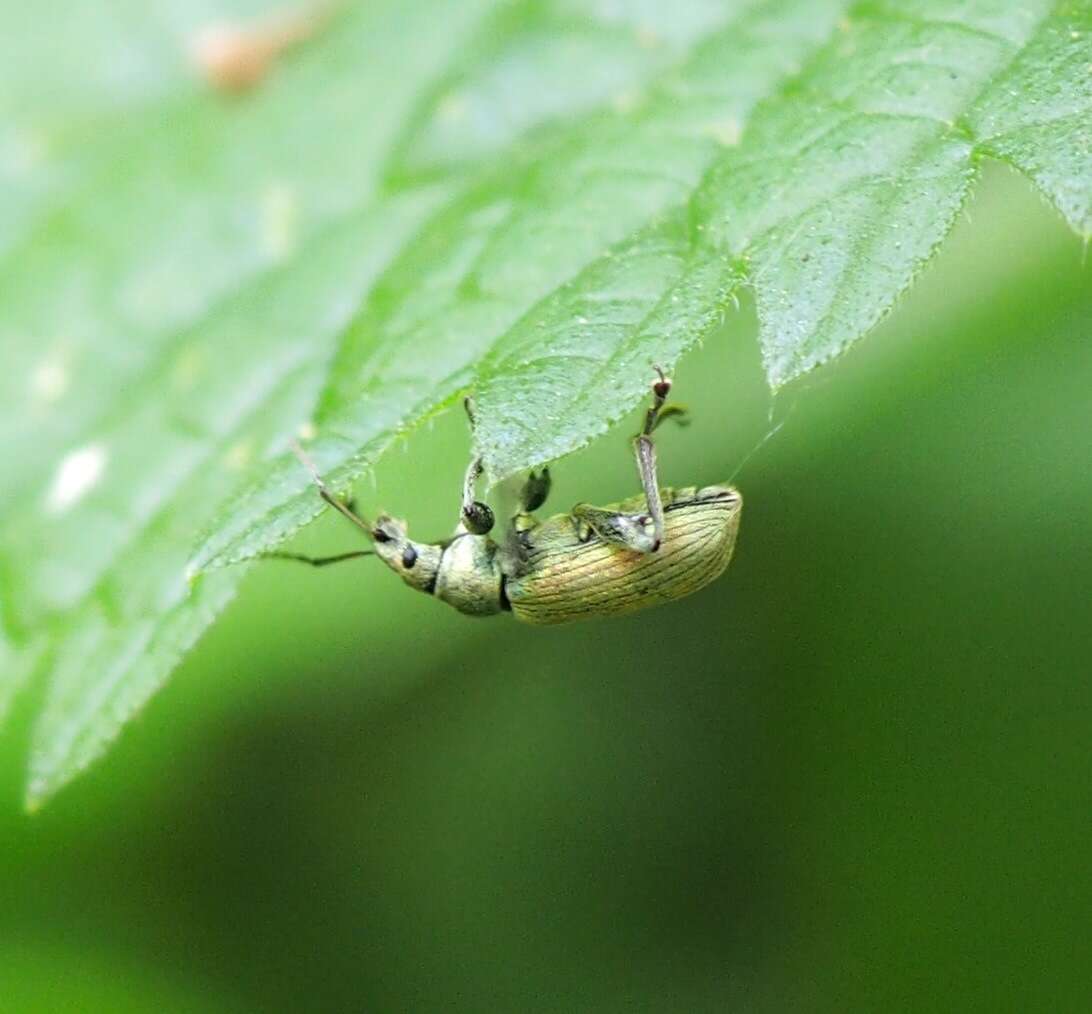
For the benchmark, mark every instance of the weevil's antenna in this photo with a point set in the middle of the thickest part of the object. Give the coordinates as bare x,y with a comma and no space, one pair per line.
317,561
324,491
333,501
770,434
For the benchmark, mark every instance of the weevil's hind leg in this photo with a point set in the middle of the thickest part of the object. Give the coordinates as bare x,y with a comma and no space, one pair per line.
631,531
645,451
626,531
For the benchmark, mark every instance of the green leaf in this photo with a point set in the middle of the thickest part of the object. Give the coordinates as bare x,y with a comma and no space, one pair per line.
533,201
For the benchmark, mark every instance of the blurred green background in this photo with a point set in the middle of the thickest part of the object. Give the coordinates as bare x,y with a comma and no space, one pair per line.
853,775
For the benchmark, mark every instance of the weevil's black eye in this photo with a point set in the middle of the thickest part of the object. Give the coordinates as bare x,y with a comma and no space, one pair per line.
409,557
380,536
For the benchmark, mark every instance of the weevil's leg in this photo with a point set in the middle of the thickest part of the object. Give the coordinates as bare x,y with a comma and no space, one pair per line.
518,533
627,531
345,509
659,410
632,531
645,452
477,517
534,492
317,561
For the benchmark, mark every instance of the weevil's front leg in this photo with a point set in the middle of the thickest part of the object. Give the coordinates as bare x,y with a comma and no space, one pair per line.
477,517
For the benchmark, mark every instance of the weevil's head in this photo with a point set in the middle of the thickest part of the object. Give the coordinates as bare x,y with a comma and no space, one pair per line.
417,563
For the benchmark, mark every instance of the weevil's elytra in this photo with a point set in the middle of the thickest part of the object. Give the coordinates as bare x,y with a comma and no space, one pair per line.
566,579
660,545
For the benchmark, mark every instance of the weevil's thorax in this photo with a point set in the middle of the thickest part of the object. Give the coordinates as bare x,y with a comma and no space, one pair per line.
470,577
417,563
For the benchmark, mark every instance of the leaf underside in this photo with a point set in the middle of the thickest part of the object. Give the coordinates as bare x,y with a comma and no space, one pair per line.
533,201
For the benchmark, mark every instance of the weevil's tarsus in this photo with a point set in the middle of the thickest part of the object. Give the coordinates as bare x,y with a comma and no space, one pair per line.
660,410
678,414
661,388
534,491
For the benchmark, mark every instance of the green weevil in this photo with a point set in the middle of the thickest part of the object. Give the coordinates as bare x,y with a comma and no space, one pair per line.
657,546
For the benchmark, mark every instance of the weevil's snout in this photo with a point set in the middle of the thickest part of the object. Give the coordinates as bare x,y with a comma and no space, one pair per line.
391,541
415,562
388,530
